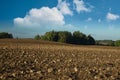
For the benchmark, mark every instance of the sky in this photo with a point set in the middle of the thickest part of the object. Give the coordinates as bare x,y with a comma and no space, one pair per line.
27,18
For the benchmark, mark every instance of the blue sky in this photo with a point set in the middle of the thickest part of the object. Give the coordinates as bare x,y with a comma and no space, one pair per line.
26,18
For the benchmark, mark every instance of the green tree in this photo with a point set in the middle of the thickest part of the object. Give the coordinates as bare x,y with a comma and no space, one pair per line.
64,36
51,36
5,35
67,37
37,37
43,37
91,40
117,43
10,36
105,42
79,38
76,37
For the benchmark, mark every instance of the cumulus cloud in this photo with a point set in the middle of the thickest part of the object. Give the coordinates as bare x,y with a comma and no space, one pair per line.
80,6
45,16
41,17
111,16
50,18
63,6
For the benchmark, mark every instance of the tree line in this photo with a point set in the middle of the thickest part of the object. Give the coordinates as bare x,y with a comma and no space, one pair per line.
67,37
76,37
117,43
108,42
5,35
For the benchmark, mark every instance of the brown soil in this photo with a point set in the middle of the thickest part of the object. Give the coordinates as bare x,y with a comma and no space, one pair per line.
40,60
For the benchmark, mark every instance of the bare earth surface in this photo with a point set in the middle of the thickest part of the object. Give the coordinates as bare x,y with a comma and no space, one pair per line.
40,60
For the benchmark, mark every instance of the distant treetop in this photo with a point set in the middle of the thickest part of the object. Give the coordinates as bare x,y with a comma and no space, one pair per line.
5,35
67,37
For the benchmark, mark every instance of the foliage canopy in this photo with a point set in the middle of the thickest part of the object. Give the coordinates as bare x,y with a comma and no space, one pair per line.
67,37
5,35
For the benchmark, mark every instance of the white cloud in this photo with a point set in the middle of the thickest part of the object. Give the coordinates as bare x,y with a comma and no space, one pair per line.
41,17
46,18
80,6
89,19
63,6
111,16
